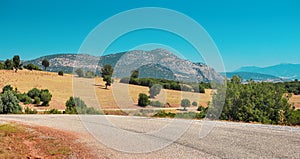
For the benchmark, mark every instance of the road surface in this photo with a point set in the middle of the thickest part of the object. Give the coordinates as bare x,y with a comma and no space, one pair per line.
139,137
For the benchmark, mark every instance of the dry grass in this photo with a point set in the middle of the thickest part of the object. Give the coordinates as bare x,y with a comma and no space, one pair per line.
295,100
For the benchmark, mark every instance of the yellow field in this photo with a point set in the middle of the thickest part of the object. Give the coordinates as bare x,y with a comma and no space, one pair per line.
117,96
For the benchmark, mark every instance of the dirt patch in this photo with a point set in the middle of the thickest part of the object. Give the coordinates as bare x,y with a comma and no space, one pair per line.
22,141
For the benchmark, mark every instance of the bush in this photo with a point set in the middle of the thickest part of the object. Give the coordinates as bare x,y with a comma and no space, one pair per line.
89,74
32,67
194,103
9,103
185,103
45,97
294,118
201,108
24,98
79,72
77,106
7,88
162,113
60,73
154,90
143,100
53,111
30,111
34,93
156,104
37,100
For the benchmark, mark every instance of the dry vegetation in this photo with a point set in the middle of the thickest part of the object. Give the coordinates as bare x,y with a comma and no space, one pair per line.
118,96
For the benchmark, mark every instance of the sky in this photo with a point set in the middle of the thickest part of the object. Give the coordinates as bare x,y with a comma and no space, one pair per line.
246,33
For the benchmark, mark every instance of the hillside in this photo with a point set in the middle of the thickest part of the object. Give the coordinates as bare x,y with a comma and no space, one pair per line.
284,71
253,76
125,62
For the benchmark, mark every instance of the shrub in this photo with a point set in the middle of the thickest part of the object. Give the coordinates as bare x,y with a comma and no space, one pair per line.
53,111
24,98
162,113
201,108
185,103
89,74
30,111
77,106
143,100
156,104
154,90
45,97
60,73
194,103
32,67
10,103
37,100
79,72
34,93
7,88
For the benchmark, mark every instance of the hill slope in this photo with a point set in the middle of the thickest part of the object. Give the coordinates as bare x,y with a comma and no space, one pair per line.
285,71
125,62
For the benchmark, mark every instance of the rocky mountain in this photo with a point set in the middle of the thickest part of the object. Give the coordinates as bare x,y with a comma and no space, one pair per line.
157,63
284,71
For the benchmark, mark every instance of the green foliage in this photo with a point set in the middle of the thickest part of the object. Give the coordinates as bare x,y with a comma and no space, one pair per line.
154,90
10,103
77,106
185,103
194,103
27,110
9,65
7,88
107,71
37,100
156,104
24,98
61,73
32,67
34,93
291,87
294,117
253,102
45,63
53,111
17,63
45,97
79,72
143,100
2,66
134,74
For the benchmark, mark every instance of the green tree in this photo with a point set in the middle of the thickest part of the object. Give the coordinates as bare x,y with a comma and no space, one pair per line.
79,72
45,97
194,104
45,63
185,103
10,103
2,66
75,106
60,73
107,72
7,88
90,74
17,63
34,92
32,67
143,100
9,65
155,90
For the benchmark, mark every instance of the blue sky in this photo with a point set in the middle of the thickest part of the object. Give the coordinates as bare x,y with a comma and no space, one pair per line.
249,32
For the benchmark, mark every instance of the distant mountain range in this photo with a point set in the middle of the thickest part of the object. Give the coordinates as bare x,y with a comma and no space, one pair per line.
158,63
283,71
253,76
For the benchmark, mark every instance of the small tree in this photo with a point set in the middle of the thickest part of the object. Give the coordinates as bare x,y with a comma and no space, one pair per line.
10,103
2,66
107,72
45,97
34,92
37,100
17,63
195,103
60,73
185,103
45,63
154,90
79,72
7,88
134,74
143,100
9,65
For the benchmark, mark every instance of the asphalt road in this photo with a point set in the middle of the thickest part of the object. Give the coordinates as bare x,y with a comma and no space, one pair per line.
138,137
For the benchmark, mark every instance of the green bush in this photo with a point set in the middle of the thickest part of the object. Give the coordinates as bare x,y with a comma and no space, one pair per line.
9,103
143,100
24,98
30,111
194,103
163,114
53,111
34,93
156,104
185,103
37,100
77,106
32,67
45,97
7,88
60,73
294,118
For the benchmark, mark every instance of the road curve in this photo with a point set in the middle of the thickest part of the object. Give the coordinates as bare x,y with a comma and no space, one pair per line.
139,137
